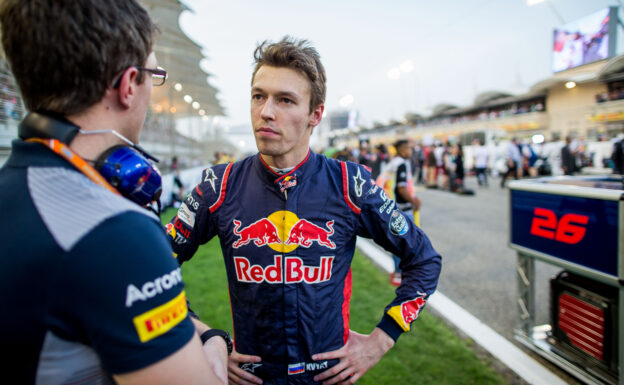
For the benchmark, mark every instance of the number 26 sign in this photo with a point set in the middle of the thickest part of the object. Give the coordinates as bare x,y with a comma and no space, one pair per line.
570,228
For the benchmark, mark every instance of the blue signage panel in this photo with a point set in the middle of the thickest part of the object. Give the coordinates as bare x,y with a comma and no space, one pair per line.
574,229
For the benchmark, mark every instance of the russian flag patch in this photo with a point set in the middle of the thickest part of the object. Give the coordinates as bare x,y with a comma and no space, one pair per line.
296,368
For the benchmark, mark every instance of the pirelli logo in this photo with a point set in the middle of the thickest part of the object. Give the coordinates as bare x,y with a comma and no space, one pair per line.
161,319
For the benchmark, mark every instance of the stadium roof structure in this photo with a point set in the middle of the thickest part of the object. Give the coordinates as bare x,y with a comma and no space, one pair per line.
180,56
487,99
613,70
584,74
443,109
488,96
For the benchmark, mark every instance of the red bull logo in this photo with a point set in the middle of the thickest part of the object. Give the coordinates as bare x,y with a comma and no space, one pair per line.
292,270
261,232
288,182
407,312
142,180
283,231
304,232
185,232
171,230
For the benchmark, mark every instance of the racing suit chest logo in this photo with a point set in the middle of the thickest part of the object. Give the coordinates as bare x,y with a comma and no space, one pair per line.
283,232
291,270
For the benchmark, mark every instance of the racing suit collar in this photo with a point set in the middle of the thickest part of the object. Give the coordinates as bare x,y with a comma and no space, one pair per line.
296,175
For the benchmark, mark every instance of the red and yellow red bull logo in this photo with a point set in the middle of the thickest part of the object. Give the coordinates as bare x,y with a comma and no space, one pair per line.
407,312
283,232
170,229
291,271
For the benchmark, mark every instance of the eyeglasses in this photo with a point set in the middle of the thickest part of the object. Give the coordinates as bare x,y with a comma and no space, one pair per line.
159,75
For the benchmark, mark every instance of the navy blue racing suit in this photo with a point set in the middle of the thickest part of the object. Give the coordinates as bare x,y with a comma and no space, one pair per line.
288,241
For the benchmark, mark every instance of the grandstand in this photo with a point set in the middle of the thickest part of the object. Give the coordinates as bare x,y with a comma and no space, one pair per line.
586,101
11,110
186,97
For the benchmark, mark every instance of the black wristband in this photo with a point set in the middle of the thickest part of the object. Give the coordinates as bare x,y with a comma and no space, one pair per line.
208,334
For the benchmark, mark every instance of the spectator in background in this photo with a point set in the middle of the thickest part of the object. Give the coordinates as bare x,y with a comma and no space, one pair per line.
440,152
481,157
221,157
365,157
513,160
529,158
431,167
380,159
583,156
457,180
447,166
4,92
568,162
417,162
177,192
344,154
400,169
617,155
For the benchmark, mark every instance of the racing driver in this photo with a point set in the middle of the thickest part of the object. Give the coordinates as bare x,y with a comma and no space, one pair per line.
287,220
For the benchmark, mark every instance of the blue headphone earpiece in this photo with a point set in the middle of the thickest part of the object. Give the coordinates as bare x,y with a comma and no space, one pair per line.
131,173
126,168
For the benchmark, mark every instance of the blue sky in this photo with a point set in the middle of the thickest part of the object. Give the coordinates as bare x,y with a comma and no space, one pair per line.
457,48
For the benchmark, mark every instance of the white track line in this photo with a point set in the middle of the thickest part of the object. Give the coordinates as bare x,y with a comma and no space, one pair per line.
506,352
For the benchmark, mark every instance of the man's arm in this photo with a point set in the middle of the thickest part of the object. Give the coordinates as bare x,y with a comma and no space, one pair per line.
137,323
186,366
193,224
402,190
380,219
215,350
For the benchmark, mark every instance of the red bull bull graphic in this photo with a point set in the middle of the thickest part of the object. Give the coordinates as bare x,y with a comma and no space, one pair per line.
283,231
261,232
271,231
304,232
292,270
407,312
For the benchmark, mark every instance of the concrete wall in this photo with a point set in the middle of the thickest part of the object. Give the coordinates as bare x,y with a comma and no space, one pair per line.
569,110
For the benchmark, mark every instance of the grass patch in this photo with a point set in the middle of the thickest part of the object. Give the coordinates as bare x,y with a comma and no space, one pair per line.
430,354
